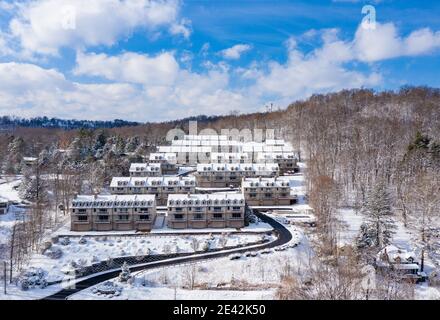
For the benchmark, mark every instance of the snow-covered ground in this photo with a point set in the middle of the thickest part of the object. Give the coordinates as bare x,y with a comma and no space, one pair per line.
7,221
222,278
139,292
102,248
245,278
403,238
259,227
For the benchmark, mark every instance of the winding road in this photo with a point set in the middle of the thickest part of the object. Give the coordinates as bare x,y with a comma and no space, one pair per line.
283,237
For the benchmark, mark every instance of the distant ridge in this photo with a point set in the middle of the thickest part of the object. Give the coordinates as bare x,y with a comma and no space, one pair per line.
8,122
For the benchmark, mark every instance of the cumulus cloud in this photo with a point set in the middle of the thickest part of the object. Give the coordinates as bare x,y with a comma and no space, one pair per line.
235,52
29,90
384,42
322,70
45,26
147,87
158,70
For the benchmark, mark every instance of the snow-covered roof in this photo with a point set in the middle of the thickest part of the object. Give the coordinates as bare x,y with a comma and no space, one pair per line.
257,167
110,201
225,198
176,149
275,155
152,181
205,137
229,156
275,142
264,182
170,156
396,255
144,167
3,200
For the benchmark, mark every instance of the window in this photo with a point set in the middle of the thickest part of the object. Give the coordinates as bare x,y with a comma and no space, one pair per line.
252,195
83,218
178,216
217,209
268,195
123,217
198,209
198,216
236,208
143,209
179,209
82,210
103,218
236,216
144,217
217,216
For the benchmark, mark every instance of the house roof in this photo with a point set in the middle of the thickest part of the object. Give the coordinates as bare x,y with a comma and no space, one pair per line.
152,181
147,167
264,182
257,167
111,201
225,198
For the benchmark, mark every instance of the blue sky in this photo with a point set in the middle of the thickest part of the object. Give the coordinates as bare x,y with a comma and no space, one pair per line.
154,60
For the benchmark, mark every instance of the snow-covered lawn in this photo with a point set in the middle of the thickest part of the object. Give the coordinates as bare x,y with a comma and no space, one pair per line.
222,278
259,227
7,221
102,248
139,292
8,188
403,238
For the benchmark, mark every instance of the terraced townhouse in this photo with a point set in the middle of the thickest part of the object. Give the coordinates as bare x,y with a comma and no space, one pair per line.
113,212
145,170
167,161
287,161
267,191
220,210
160,187
223,175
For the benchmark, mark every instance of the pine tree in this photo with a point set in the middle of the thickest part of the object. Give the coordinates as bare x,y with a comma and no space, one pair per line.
380,224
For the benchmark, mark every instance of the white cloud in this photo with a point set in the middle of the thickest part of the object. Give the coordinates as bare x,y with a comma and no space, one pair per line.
235,52
29,90
384,42
182,28
130,67
322,70
156,87
44,26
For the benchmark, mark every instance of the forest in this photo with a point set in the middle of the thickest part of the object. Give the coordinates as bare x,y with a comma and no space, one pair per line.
376,152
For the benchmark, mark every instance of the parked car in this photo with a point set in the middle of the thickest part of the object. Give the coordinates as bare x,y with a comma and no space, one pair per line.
235,256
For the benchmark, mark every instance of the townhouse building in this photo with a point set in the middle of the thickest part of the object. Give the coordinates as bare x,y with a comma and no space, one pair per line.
286,160
267,191
218,210
223,175
113,212
160,187
145,170
229,157
167,161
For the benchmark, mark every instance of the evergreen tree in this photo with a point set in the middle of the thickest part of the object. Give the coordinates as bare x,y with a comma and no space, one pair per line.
380,225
